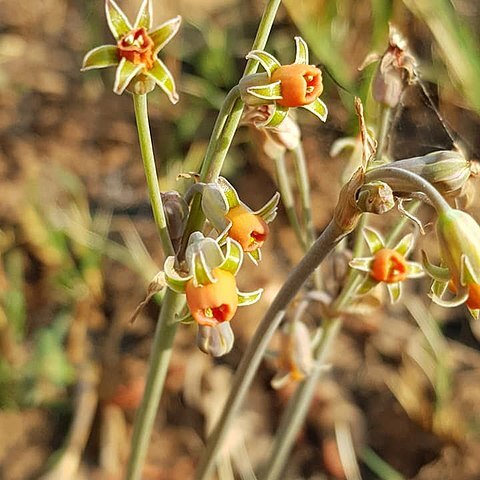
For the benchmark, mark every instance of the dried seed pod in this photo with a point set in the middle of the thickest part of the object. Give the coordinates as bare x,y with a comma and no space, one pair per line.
375,197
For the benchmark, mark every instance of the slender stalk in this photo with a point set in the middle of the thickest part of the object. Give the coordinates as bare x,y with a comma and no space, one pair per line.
383,130
287,199
141,116
158,366
297,409
257,346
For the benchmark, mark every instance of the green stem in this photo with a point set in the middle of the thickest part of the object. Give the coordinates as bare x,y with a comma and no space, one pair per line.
158,366
287,199
141,116
257,346
383,130
297,409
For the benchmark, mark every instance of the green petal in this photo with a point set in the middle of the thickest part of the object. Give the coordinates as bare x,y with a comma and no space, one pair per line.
163,78
318,108
116,19
231,195
442,274
215,206
475,313
460,297
364,264
374,239
467,272
405,245
202,270
438,288
301,55
144,15
233,257
125,72
268,62
269,211
101,57
414,270
255,256
162,34
276,118
367,285
395,291
271,91
249,298
174,281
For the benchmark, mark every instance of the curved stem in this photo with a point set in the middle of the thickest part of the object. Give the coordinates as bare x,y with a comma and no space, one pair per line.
158,366
141,116
257,346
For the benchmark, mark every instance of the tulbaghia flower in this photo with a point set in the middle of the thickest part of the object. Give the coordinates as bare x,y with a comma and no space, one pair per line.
458,235
209,281
285,86
386,265
135,54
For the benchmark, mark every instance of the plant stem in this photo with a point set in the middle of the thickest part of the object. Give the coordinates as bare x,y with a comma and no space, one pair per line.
141,116
287,200
257,346
158,366
383,130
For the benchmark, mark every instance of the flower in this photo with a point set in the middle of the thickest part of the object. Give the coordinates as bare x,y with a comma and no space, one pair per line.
135,53
458,235
233,219
209,281
284,86
386,265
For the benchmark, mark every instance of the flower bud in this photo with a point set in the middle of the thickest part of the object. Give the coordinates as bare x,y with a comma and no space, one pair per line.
375,197
176,211
217,340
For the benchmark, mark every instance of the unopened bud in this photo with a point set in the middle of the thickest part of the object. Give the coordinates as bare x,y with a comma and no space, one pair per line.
375,197
176,211
217,340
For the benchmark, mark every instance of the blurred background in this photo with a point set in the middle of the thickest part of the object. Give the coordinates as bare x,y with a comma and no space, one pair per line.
78,246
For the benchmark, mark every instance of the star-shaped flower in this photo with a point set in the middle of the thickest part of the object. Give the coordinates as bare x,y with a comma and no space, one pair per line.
136,51
386,265
285,86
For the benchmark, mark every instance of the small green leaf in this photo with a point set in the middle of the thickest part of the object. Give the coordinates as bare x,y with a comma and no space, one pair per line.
125,72
233,257
144,16
101,57
414,270
268,62
269,211
405,245
249,298
270,91
163,78
395,291
374,239
116,19
318,108
162,34
441,274
301,55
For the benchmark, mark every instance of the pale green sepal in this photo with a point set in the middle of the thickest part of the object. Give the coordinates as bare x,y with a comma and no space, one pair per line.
467,273
249,298
276,118
163,78
231,195
269,211
215,206
475,313
174,281
255,256
405,245
364,264
208,246
367,285
222,237
460,297
101,57
123,76
441,274
394,291
270,92
414,270
439,288
162,34
202,270
301,51
116,19
318,108
373,239
233,257
144,15
268,62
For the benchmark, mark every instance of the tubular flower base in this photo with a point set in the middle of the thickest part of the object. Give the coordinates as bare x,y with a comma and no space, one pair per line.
386,265
247,228
135,54
458,235
285,86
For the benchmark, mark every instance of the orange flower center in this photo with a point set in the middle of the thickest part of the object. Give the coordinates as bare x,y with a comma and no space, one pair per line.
473,300
300,84
137,47
213,303
248,229
389,266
